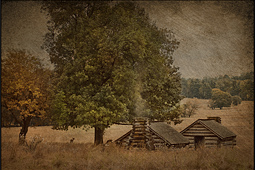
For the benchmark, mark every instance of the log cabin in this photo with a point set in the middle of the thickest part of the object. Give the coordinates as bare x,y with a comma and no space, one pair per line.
152,135
209,133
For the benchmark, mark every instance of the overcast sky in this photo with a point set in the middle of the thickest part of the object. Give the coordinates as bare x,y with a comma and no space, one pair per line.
216,38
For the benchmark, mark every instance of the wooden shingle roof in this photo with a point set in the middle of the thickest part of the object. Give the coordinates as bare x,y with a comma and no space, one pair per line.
165,132
168,134
216,128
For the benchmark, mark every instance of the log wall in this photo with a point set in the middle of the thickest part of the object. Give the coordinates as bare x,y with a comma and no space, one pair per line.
228,142
210,139
157,141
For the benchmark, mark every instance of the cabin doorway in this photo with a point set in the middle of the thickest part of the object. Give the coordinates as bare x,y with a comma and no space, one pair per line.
199,141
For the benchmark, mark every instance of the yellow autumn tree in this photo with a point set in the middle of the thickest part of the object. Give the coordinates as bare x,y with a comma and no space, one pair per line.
24,88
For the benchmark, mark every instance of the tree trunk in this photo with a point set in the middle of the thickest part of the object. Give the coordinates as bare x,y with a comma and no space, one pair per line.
24,129
99,133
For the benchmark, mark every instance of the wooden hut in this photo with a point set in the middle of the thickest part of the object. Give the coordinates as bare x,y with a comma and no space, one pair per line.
152,135
209,133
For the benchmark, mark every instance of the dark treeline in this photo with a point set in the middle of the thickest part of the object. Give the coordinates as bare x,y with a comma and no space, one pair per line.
242,86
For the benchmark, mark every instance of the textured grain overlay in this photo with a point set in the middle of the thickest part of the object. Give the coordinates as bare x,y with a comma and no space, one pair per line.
216,37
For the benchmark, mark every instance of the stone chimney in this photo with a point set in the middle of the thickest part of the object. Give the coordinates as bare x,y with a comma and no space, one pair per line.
217,119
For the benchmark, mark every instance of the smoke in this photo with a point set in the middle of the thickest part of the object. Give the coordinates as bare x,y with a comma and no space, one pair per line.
140,104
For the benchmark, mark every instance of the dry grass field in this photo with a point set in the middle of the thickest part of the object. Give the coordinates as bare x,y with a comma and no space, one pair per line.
56,152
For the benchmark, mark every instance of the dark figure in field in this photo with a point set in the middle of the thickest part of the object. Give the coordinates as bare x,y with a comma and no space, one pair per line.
71,141
109,141
107,144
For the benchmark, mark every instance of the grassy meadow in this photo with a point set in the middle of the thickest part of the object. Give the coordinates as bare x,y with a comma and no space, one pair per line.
54,151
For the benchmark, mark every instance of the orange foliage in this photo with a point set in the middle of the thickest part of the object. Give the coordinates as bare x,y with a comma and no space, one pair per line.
24,87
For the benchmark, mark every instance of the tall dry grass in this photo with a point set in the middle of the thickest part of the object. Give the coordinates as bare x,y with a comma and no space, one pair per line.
71,156
56,152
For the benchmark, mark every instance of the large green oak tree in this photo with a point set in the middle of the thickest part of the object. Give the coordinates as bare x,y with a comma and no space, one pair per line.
104,53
